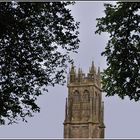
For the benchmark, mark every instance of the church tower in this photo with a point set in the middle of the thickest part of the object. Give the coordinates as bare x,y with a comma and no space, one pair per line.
84,110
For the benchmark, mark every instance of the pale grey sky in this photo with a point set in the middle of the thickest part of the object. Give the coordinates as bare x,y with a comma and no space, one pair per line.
121,117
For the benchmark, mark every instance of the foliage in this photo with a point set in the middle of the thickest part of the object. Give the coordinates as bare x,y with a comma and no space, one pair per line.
35,44
122,76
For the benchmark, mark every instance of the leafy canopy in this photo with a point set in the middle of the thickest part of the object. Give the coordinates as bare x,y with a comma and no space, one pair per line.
35,44
122,76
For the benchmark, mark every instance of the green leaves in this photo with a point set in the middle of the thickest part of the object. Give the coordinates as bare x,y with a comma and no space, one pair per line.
122,76
35,44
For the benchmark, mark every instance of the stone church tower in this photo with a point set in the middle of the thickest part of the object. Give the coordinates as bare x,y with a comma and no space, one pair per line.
84,108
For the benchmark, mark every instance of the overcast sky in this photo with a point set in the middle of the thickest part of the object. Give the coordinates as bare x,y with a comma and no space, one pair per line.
121,117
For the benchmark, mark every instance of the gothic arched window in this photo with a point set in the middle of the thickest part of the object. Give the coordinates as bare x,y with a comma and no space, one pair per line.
86,96
76,96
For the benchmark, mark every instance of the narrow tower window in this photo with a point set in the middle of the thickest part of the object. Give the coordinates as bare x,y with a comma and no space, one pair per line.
76,96
86,96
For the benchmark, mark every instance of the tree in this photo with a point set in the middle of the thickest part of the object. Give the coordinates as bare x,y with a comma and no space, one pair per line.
122,75
35,44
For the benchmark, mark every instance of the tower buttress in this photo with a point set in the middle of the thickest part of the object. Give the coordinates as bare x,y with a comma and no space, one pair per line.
66,111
